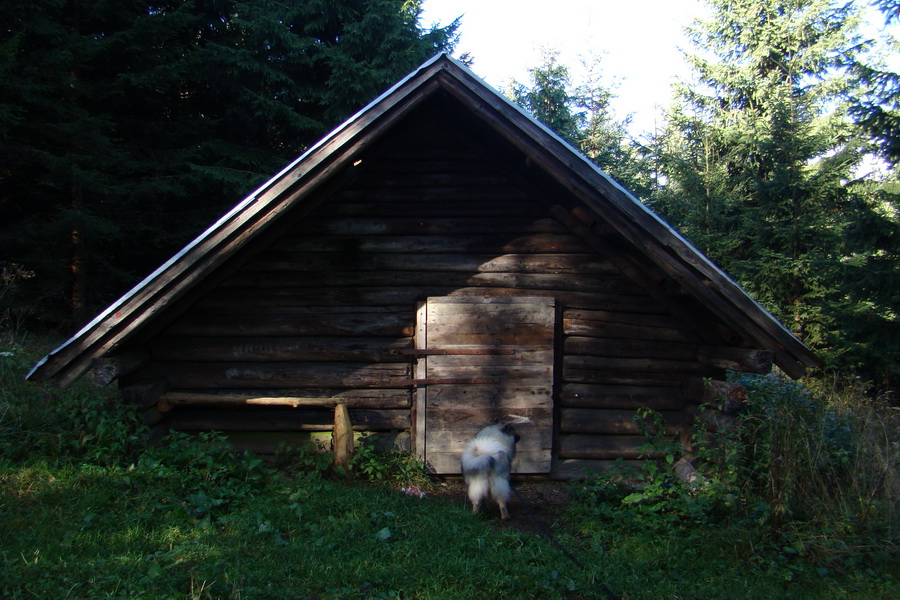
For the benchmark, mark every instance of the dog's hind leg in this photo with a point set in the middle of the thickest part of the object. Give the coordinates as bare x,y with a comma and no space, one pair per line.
500,491
478,490
504,513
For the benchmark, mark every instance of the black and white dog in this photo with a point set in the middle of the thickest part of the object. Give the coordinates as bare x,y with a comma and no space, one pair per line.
486,465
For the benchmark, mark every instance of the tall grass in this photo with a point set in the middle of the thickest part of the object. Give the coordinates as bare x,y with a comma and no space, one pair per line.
804,480
827,464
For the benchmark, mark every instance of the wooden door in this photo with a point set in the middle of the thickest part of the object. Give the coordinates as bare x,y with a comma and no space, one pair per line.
484,359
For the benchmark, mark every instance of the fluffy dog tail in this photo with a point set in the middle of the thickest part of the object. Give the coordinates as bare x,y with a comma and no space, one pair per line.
473,463
486,456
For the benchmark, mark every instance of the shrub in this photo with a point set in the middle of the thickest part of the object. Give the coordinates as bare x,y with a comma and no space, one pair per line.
829,470
815,475
653,496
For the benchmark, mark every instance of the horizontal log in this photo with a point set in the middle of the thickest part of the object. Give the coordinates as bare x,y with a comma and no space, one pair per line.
360,396
417,227
725,396
514,309
536,375
465,162
281,419
201,376
410,163
400,324
456,333
475,319
423,352
279,300
521,357
352,399
663,321
453,381
631,378
244,300
602,421
510,396
328,349
280,444
474,242
605,363
629,348
602,447
428,273
320,310
601,329
440,201
737,359
525,335
580,395
454,441
109,368
435,179
486,246
472,417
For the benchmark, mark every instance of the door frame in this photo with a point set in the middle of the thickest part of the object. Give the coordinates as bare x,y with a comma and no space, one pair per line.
419,419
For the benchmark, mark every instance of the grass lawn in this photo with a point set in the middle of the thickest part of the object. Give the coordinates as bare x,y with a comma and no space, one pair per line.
154,531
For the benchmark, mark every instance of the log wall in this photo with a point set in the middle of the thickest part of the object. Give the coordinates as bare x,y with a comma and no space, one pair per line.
321,312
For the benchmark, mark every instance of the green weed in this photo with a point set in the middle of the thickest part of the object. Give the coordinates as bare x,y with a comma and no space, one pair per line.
310,457
81,423
401,468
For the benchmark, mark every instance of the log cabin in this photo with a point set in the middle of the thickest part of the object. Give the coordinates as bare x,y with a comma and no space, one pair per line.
438,261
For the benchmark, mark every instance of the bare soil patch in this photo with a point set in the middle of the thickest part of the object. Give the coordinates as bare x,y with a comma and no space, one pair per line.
537,500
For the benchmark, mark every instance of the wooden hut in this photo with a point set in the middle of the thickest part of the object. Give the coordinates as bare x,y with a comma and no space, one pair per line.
438,261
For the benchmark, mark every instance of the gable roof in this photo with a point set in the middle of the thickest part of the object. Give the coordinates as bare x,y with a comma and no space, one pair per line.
603,200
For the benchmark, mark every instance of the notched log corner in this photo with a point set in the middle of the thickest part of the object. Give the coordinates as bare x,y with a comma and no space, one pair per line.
108,369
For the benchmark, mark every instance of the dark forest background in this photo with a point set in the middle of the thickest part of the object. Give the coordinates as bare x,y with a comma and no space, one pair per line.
128,127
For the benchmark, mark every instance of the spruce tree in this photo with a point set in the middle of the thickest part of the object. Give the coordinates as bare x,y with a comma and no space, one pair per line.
875,101
866,297
549,99
582,115
759,153
59,146
604,138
